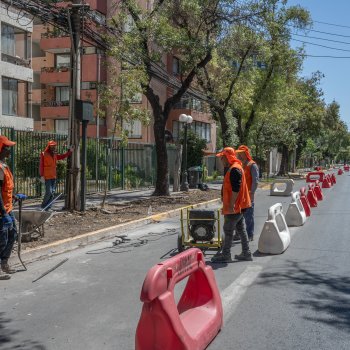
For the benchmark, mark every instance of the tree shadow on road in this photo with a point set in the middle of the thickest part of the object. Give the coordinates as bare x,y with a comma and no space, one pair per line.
7,337
327,294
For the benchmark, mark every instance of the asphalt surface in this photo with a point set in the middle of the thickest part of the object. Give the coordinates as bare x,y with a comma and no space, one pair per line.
297,300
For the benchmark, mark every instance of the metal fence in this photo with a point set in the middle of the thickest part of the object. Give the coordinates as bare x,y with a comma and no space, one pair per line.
108,163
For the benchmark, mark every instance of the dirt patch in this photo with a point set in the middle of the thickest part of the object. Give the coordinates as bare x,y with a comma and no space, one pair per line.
65,224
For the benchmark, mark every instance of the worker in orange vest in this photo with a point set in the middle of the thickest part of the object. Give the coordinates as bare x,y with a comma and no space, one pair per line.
236,200
251,172
8,231
48,171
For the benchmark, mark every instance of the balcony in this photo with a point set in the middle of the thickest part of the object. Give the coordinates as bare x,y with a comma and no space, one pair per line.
55,44
54,109
15,60
59,76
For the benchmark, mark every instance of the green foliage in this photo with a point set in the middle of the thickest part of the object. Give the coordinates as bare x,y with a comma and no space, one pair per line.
195,145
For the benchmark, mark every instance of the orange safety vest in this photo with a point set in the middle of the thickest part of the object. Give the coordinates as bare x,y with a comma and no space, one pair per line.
50,163
243,199
7,188
248,174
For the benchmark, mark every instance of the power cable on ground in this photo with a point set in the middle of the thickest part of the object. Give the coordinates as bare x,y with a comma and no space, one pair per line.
123,244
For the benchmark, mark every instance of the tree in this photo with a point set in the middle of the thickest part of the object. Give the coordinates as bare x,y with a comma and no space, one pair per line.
187,28
245,77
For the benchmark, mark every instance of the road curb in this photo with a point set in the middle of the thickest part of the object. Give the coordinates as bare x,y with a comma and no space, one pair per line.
84,239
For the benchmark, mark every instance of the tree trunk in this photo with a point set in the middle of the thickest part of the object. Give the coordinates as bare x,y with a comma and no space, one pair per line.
162,183
177,168
225,129
284,161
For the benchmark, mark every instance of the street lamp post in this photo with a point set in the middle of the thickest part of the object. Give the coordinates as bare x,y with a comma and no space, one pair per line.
186,119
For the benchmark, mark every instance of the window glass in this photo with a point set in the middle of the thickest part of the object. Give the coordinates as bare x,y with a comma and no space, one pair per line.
8,39
176,66
61,126
62,93
134,128
9,96
62,61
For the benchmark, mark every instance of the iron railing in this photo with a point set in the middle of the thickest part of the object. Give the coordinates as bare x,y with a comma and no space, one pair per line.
109,164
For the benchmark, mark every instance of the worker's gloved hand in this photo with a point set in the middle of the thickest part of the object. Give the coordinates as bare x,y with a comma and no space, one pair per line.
6,221
42,180
21,196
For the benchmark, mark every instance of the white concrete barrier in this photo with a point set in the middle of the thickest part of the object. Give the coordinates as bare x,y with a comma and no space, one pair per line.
295,215
275,235
276,190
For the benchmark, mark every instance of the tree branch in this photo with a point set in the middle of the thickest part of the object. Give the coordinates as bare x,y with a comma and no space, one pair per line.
233,82
171,101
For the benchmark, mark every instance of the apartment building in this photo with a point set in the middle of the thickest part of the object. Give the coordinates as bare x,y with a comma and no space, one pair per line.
52,77
51,65
16,73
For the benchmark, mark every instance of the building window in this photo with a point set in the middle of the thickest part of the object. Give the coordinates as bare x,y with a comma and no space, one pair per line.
62,61
9,96
176,66
176,129
14,45
134,128
203,130
61,126
88,85
62,93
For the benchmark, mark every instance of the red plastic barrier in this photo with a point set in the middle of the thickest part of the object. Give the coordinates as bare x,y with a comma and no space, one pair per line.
346,168
333,178
311,197
314,176
198,317
318,191
326,182
305,202
340,171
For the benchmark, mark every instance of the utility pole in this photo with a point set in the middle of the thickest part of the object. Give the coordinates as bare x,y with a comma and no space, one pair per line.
73,177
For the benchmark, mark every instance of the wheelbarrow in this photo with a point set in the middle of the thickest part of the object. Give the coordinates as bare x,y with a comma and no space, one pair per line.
32,223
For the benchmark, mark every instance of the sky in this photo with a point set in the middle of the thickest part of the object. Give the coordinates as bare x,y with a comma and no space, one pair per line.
336,83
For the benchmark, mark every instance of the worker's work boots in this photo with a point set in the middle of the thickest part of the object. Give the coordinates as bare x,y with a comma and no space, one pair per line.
5,267
221,258
4,276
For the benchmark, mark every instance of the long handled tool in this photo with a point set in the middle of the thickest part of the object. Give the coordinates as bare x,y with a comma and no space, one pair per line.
53,201
19,233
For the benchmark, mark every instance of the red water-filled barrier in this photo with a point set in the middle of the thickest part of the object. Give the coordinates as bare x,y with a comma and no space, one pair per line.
346,168
326,182
305,202
340,171
314,176
333,179
318,191
197,318
311,197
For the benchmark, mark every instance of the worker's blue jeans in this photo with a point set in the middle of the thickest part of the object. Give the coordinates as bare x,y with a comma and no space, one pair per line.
249,220
50,189
8,237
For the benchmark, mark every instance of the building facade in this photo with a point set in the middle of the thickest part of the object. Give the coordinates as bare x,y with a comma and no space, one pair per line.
52,71
16,73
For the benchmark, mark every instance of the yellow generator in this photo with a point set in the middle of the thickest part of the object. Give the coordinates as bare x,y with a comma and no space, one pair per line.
199,228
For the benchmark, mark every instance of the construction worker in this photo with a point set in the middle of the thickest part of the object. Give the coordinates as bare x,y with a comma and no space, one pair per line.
251,172
235,198
8,231
48,171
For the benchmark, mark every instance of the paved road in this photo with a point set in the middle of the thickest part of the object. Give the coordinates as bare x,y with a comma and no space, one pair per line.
298,300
